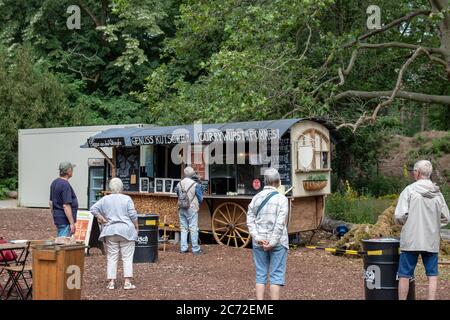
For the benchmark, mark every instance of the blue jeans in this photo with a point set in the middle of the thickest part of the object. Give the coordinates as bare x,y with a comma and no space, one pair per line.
189,223
273,262
408,262
63,230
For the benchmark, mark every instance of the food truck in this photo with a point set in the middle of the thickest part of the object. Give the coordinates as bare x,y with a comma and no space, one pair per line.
229,160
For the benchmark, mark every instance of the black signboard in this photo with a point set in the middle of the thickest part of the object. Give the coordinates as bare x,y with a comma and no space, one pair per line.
127,166
168,185
284,161
205,185
159,185
105,142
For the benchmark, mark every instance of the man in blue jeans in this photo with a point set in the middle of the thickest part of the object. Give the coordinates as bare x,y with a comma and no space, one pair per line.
266,221
422,210
63,201
189,217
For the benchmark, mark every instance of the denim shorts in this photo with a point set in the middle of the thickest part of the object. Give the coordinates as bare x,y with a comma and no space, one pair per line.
63,230
408,262
271,262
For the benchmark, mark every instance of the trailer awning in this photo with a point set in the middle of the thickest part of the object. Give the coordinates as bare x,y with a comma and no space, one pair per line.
115,137
196,133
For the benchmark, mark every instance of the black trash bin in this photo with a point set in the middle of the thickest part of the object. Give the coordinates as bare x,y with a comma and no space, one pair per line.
147,244
380,271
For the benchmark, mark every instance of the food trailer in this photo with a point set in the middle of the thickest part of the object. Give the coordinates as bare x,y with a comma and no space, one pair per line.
230,160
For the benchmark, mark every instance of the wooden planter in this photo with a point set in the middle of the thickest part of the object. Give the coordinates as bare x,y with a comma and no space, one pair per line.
314,185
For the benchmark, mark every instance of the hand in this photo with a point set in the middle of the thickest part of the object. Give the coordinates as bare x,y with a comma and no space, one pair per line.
263,242
101,219
73,228
267,247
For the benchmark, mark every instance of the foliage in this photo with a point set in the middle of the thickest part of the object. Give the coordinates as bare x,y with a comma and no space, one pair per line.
355,210
320,177
31,97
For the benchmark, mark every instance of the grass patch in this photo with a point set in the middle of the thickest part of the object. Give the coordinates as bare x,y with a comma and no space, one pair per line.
356,209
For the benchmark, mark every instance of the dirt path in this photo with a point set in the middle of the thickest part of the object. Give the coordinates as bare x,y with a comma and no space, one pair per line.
221,273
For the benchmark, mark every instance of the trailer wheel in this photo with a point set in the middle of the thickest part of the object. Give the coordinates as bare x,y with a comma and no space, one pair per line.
229,225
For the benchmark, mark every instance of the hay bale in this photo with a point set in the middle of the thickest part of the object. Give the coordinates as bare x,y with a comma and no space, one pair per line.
384,227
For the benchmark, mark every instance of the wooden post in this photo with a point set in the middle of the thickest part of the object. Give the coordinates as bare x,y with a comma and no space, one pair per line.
111,162
164,237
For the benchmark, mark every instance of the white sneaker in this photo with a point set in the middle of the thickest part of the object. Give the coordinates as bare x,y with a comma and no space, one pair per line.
129,286
111,285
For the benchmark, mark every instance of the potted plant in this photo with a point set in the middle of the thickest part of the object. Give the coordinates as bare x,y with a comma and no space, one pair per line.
315,183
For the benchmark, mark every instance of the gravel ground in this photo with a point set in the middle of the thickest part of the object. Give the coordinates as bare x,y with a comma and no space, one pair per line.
221,273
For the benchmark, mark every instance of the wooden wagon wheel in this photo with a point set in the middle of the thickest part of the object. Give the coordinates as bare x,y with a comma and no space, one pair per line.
229,225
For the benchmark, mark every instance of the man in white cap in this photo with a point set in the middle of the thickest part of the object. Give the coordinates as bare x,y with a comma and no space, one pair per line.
188,206
266,221
63,201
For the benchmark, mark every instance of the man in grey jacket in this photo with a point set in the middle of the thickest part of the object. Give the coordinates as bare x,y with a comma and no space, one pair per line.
422,210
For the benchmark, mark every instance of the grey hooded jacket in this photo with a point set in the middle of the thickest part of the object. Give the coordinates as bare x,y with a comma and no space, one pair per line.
422,210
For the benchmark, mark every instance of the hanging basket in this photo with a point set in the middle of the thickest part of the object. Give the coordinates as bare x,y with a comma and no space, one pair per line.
314,185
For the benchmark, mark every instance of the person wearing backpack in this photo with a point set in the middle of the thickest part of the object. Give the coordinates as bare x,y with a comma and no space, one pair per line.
267,223
188,207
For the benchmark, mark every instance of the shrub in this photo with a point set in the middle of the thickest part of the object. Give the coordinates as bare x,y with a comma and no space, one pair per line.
355,210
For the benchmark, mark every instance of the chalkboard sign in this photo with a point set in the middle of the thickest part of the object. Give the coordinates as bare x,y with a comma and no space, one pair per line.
127,164
205,186
284,161
143,184
159,185
175,183
168,185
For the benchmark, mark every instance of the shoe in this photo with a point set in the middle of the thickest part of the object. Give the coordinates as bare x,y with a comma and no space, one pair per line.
184,251
129,286
111,285
198,252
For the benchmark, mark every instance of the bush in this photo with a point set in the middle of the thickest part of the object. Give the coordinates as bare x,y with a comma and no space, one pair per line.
365,210
7,185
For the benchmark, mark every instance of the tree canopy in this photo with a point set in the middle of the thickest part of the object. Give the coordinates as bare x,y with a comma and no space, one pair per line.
178,61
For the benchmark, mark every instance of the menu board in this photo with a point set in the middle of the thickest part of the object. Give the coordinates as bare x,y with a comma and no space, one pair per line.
284,161
159,185
168,185
83,226
205,186
127,165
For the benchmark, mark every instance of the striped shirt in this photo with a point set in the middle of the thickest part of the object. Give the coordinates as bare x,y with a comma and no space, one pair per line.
270,224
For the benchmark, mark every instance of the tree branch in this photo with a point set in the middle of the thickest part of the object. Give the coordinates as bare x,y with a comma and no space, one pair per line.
401,45
89,12
413,96
394,23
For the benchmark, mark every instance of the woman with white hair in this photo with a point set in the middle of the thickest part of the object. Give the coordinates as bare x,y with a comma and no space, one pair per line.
118,217
266,221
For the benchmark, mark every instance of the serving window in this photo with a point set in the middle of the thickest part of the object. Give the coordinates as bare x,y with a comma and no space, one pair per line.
243,176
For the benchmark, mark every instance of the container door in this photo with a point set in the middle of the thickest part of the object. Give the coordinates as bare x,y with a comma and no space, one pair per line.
95,184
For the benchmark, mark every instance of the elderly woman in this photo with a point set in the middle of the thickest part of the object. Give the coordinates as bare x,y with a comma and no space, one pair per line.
266,221
118,217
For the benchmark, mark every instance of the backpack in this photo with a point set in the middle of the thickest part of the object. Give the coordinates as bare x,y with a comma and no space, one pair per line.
183,199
